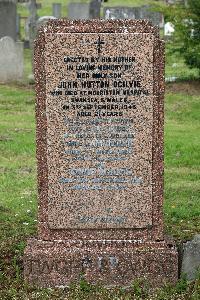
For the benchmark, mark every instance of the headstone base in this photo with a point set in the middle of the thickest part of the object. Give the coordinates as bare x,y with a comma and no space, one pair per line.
111,263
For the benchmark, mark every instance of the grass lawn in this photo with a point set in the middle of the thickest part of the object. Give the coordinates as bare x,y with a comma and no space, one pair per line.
175,65
182,160
18,188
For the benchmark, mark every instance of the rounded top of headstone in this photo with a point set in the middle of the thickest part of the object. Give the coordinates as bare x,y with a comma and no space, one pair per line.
8,42
46,18
43,20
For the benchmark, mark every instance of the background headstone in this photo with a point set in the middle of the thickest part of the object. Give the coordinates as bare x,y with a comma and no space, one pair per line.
143,12
114,13
43,20
31,27
168,29
95,9
79,11
56,10
11,60
100,90
8,13
155,17
191,258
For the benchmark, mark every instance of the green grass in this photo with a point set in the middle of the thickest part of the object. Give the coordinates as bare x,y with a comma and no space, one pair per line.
17,165
175,65
182,165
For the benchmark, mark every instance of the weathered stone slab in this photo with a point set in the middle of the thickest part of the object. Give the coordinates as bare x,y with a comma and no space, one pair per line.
79,11
11,60
56,10
31,22
136,13
191,258
95,9
121,12
8,15
100,90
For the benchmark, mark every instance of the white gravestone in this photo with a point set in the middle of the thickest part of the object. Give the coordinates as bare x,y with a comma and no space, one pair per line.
11,60
168,29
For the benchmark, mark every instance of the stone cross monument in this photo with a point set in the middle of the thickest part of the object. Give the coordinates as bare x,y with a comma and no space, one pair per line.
99,112
32,20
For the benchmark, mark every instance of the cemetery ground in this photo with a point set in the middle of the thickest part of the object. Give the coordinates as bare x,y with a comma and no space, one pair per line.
18,195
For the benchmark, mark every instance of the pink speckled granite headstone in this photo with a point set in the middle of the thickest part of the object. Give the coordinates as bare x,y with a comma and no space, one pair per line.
99,114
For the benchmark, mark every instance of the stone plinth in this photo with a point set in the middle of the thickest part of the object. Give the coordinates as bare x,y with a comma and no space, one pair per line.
111,263
100,90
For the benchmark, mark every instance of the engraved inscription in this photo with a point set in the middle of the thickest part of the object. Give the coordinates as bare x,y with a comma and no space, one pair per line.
100,107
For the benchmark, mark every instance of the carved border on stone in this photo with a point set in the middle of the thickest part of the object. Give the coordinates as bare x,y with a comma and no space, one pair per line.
109,26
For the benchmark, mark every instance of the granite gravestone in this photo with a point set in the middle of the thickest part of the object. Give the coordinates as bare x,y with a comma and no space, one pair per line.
11,60
100,92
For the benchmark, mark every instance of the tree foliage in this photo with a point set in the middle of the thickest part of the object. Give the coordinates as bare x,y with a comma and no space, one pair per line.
186,38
